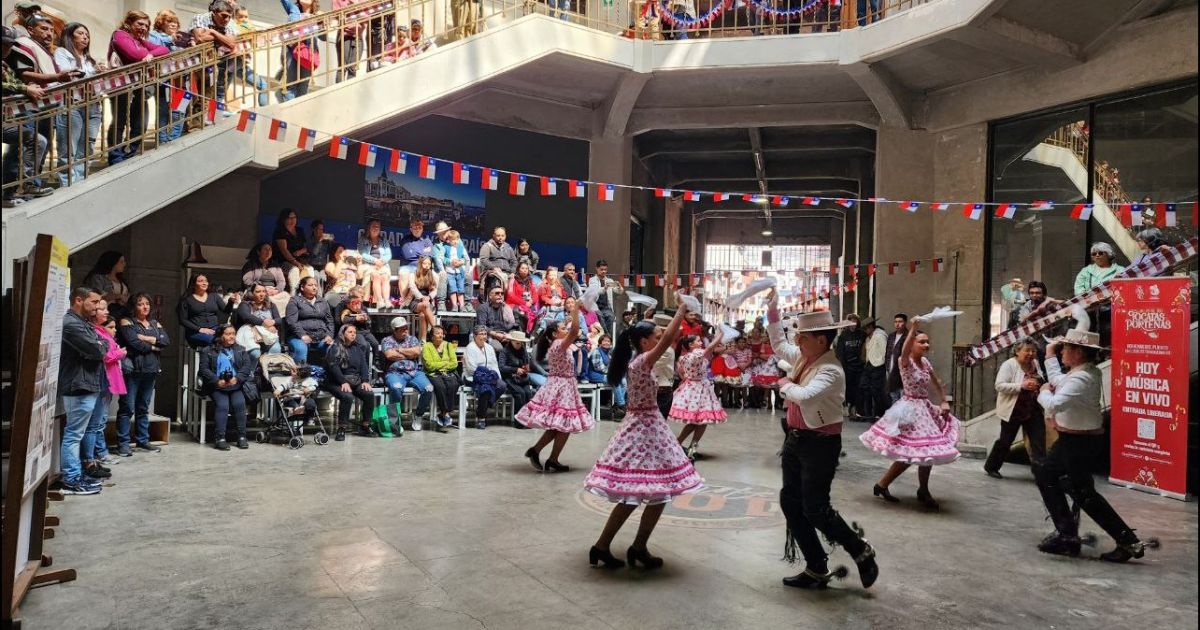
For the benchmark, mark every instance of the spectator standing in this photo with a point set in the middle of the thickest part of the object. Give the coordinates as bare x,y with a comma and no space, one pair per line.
441,364
347,45
241,62
497,317
81,381
1017,384
895,342
872,394
1012,298
416,35
92,448
225,376
415,245
496,259
570,281
144,340
77,130
166,33
33,61
258,320
481,372
376,252
348,376
309,321
23,11
1149,241
130,44
465,14
201,311
262,270
604,305
663,371
403,351
26,147
1099,271
217,26
298,58
290,248
849,350
454,261
108,278
402,48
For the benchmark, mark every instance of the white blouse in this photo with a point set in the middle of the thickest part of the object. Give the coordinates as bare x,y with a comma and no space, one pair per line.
1075,401
474,357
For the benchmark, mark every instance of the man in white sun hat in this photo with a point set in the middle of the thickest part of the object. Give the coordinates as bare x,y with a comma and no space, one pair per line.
1073,401
815,390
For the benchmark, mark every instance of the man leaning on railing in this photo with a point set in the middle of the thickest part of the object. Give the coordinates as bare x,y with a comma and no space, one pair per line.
21,139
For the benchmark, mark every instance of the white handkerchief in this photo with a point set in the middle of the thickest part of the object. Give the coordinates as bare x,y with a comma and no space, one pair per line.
939,312
758,286
729,333
691,302
590,297
638,298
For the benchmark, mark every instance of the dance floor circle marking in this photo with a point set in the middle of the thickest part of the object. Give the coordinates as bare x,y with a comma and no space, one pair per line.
718,505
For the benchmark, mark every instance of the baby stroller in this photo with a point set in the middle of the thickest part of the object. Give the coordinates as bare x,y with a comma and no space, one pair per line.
292,388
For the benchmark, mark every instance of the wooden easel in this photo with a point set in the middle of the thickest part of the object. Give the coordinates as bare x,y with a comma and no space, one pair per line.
41,296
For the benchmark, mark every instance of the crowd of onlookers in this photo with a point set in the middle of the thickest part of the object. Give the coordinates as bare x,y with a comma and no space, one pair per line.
42,52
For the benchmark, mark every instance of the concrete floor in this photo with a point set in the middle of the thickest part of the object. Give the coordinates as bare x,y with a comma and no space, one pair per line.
457,531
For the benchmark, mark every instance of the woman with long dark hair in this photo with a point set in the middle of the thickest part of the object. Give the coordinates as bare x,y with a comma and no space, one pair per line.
225,376
422,295
291,249
643,464
522,294
557,407
108,278
348,376
144,339
77,130
201,311
695,403
262,270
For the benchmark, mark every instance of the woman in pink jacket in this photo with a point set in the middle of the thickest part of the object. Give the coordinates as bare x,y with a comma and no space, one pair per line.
92,449
130,45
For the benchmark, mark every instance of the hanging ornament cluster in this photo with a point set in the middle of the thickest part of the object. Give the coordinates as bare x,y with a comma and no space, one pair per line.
684,21
766,9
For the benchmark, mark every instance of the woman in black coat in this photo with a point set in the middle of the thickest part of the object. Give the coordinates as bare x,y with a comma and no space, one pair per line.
515,368
348,376
226,375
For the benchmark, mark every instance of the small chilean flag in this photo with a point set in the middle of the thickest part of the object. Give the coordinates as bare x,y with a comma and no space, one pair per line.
662,192
605,192
678,281
246,121
937,264
911,206
1042,204
1165,215
812,201
871,269
1082,211
660,280
516,184
576,188
210,112
912,266
780,200
719,197
845,203
366,154
428,168
398,162
1006,210
549,186
691,195
1135,214
460,173
180,100
973,211
278,130
892,268
940,205
640,280
308,138
490,179
339,147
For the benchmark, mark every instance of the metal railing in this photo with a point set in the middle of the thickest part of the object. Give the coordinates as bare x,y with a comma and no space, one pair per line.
82,126
1075,137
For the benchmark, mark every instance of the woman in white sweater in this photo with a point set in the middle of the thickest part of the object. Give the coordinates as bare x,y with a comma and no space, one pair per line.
481,371
1017,384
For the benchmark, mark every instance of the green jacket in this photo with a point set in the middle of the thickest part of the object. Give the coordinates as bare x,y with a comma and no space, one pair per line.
1091,275
438,362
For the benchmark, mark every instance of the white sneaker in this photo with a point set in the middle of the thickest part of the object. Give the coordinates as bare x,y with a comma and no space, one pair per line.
416,423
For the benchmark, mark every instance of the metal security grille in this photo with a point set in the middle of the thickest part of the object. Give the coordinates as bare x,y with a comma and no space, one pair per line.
735,266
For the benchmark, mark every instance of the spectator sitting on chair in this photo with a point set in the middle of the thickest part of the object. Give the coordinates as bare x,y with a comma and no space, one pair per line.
225,376
309,321
415,246
481,372
422,294
261,270
355,314
348,376
496,259
201,311
319,246
1101,270
144,340
375,252
290,249
497,317
258,323
515,368
108,277
81,383
343,273
526,254
570,281
402,351
551,293
441,364
597,372
522,296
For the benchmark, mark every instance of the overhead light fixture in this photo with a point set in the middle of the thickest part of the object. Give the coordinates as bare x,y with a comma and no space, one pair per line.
767,232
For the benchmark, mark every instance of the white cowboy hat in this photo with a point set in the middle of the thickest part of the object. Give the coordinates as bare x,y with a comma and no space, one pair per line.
662,319
1085,338
813,322
518,336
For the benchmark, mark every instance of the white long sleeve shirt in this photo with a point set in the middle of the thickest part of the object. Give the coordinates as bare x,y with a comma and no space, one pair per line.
474,356
1075,401
875,348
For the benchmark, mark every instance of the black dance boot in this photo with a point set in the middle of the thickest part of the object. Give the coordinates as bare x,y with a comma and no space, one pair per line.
597,556
868,569
1128,548
535,459
642,556
815,579
1060,544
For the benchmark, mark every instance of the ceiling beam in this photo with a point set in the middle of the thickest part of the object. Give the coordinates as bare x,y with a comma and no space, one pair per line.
1021,43
779,115
893,101
1139,10
614,113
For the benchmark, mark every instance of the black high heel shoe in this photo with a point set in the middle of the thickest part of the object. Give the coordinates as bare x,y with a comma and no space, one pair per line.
596,556
883,493
553,466
534,459
927,500
643,556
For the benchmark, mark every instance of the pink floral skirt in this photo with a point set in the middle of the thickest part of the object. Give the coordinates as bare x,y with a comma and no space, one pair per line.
557,406
643,463
695,402
914,431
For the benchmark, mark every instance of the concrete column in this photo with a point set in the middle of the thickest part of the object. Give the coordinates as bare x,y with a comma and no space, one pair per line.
670,243
610,160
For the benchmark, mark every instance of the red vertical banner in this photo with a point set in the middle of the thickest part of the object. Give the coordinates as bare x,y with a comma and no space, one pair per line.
1150,384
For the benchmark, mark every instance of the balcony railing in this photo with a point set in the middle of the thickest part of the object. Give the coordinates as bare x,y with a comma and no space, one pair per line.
125,111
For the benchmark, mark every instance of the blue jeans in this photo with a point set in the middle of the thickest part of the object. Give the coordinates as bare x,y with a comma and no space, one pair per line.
25,141
456,283
135,405
296,77
537,380
242,70
94,434
79,415
225,401
397,381
255,353
200,340
862,10
75,133
300,349
170,122
561,5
